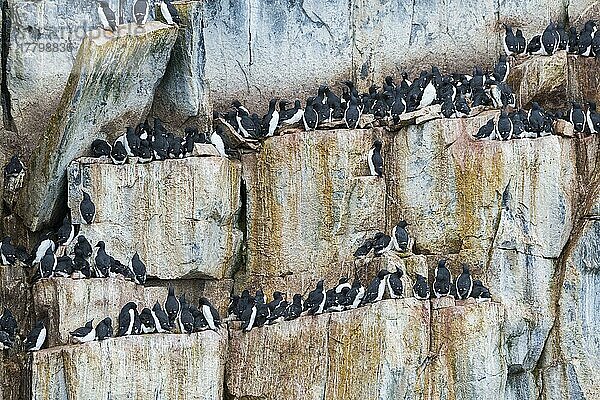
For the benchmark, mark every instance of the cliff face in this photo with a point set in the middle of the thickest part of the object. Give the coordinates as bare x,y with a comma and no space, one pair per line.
523,213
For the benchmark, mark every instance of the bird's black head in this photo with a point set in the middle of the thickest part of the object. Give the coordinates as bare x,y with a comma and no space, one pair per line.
465,268
101,245
377,144
382,274
403,224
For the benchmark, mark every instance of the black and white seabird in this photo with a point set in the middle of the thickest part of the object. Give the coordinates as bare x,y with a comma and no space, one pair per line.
277,308
217,140
47,264
315,302
593,118
161,319
102,261
521,42
421,288
85,333
429,93
352,113
376,288
248,317
536,118
139,269
172,306
66,232
442,280
271,120
118,154
502,69
82,248
294,310
296,116
107,16
584,41
480,292
140,12
101,148
355,295
509,41
504,126
577,117
400,237
310,117
169,13
210,313
375,159
36,338
64,267
394,284
104,329
87,208
129,320
14,169
534,47
364,249
147,322
382,243
486,131
464,284
550,39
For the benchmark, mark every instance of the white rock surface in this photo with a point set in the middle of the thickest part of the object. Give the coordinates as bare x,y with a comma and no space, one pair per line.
181,216
157,366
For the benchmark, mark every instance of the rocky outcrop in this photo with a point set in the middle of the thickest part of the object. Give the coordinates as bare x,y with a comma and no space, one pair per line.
111,86
389,350
182,96
157,366
310,203
181,216
555,81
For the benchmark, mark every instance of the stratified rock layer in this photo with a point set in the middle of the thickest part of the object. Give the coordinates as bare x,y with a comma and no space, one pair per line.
156,366
181,216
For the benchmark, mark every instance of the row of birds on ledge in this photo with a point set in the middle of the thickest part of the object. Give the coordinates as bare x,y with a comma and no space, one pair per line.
140,13
456,93
254,311
50,257
177,316
554,38
522,124
180,316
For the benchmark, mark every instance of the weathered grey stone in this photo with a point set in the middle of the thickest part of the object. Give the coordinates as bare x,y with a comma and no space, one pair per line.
111,86
157,366
183,93
576,340
255,50
554,81
43,38
180,215
67,304
373,352
465,335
